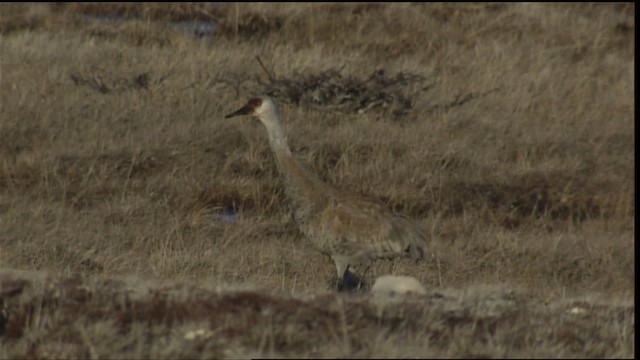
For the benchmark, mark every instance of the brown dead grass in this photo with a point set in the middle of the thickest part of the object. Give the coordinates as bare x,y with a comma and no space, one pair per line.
515,155
70,317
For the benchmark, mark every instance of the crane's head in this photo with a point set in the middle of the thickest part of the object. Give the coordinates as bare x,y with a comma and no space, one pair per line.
265,109
261,107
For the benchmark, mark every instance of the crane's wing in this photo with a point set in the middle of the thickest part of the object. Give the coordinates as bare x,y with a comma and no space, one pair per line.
363,229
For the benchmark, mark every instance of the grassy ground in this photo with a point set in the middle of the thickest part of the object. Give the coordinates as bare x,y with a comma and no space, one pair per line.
513,149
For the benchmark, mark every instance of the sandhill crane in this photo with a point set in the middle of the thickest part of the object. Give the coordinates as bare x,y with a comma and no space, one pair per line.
350,229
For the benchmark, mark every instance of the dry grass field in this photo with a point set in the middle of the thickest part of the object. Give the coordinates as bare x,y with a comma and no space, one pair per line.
135,221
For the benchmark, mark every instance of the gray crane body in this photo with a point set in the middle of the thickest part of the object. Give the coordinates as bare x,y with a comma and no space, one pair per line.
350,229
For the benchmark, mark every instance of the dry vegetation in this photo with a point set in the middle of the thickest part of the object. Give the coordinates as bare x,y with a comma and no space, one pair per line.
505,130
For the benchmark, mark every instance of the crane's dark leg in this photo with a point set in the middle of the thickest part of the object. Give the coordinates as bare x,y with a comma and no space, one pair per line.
350,282
346,280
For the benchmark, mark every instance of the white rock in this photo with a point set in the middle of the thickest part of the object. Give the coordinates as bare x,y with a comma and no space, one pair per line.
200,333
577,311
391,284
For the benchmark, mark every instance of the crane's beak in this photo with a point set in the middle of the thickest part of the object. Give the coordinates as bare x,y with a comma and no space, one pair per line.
245,110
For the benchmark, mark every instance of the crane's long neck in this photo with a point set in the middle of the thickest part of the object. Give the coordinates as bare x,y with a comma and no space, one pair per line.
302,188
